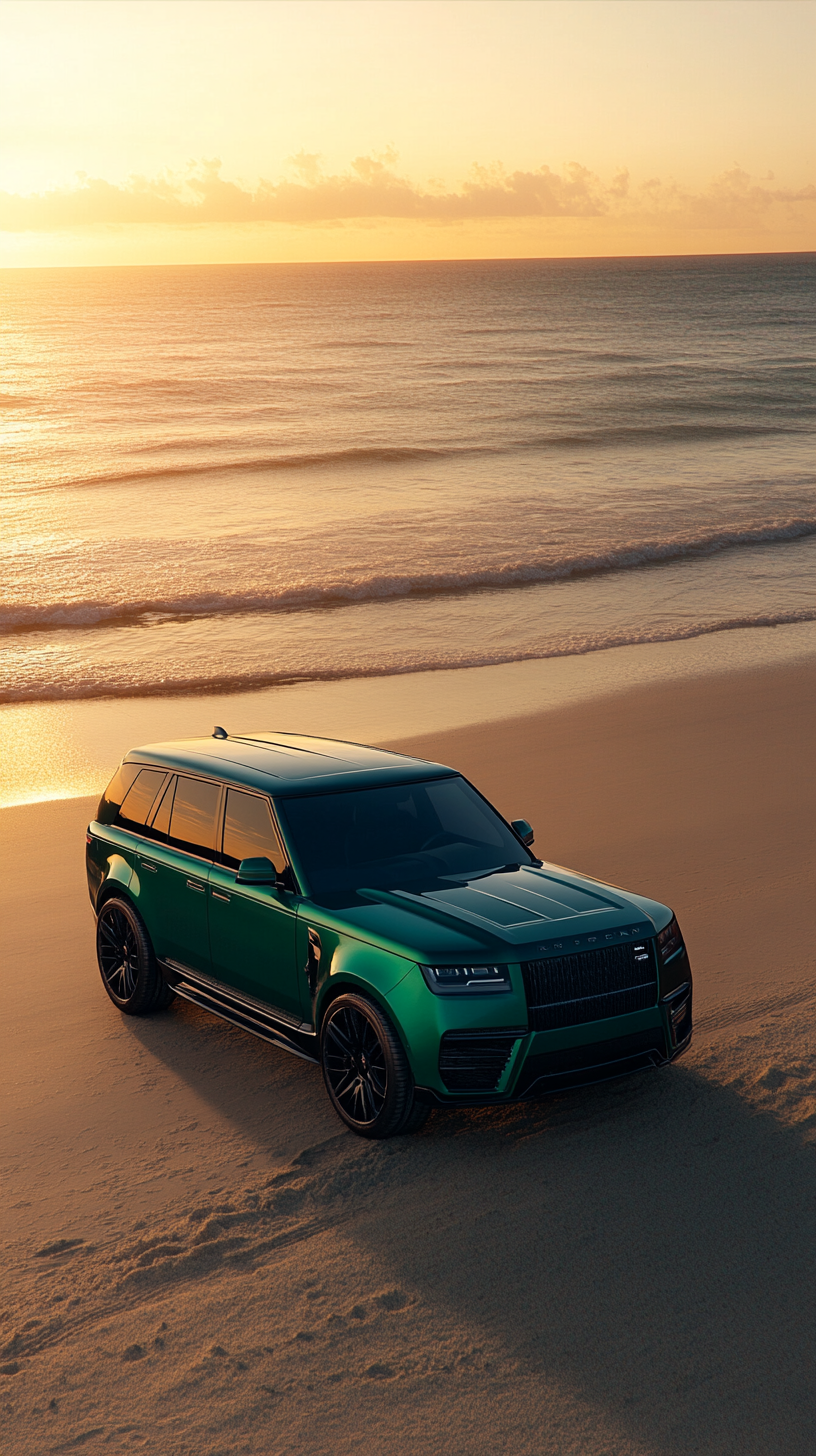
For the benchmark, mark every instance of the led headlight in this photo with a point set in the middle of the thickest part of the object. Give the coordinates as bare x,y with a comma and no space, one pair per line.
669,941
468,980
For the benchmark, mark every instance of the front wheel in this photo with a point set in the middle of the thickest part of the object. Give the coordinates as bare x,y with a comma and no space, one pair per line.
366,1071
126,961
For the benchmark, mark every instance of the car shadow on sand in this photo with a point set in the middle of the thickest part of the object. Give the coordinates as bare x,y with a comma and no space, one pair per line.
641,1250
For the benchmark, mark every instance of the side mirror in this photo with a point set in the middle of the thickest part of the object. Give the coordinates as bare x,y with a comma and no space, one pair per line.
524,830
256,872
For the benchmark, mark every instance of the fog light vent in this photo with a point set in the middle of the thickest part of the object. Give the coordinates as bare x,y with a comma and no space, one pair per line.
474,1061
678,1005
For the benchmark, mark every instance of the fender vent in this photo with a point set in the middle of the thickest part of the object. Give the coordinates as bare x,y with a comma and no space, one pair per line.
474,1061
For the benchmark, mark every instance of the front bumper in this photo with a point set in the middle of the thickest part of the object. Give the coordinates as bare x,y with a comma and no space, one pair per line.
544,1063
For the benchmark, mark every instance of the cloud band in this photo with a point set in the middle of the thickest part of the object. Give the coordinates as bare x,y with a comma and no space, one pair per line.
371,189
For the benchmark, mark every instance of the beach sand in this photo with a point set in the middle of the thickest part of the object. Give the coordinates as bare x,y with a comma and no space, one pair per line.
199,1259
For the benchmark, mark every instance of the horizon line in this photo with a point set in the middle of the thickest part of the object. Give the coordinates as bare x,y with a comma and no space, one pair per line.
426,262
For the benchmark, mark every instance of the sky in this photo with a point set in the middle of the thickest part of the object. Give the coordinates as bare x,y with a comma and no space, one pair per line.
218,131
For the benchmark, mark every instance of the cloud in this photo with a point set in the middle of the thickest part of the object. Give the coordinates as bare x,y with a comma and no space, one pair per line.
372,189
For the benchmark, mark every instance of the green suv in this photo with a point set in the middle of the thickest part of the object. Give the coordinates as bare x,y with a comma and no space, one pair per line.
373,913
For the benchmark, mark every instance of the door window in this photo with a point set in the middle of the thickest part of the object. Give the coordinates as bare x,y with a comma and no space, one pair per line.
249,831
192,820
160,824
138,800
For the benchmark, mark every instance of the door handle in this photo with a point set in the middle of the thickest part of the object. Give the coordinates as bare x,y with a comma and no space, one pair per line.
193,885
146,865
216,894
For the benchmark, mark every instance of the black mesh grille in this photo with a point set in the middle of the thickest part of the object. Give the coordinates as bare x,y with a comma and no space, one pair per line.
473,1061
570,990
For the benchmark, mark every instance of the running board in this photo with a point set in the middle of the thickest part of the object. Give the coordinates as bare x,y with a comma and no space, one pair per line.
254,1022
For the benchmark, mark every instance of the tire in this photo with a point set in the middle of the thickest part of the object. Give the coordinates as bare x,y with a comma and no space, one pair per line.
365,1069
417,1118
126,961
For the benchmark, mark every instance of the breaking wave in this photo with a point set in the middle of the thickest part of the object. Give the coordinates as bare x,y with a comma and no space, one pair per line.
125,685
27,617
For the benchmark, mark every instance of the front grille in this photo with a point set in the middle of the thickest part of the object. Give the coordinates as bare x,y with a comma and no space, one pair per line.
474,1061
570,990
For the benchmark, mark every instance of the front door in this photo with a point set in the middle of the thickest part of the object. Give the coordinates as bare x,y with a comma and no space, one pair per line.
252,927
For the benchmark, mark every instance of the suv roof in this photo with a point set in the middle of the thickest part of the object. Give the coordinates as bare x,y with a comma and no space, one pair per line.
284,764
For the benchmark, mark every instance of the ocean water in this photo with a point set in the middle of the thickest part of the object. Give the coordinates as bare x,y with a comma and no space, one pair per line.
222,478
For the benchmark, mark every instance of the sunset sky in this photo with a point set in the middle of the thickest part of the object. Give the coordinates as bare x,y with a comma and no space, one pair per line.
153,131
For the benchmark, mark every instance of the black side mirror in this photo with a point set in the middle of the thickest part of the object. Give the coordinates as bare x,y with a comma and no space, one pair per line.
524,830
259,871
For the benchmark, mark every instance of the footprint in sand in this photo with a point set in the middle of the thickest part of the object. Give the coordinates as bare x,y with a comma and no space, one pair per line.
392,1299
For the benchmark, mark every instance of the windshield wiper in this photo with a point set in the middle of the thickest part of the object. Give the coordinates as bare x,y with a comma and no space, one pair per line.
502,869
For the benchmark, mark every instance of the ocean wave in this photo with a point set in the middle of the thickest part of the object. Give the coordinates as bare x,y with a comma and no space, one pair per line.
109,686
147,611
668,432
353,455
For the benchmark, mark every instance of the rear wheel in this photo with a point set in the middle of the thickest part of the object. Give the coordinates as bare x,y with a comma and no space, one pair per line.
126,961
366,1071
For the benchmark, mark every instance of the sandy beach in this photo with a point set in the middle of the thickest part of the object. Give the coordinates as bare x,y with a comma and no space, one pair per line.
199,1259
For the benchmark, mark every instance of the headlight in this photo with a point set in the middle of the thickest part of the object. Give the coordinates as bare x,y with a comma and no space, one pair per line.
669,941
458,980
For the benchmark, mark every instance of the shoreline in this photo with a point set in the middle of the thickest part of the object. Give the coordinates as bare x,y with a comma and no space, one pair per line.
68,749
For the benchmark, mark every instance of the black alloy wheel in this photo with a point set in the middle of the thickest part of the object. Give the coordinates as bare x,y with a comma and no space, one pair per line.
366,1071
127,964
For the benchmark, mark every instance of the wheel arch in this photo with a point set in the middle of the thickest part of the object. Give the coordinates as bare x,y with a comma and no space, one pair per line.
345,984
117,876
115,889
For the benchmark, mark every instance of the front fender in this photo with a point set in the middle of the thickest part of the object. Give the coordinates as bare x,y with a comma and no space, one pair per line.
331,961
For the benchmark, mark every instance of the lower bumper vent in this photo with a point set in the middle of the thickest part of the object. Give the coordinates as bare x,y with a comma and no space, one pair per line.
474,1061
597,1062
678,1005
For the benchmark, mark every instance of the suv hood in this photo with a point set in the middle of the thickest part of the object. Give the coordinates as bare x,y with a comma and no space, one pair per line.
506,914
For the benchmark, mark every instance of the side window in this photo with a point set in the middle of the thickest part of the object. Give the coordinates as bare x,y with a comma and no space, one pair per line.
160,826
249,831
192,819
111,801
138,800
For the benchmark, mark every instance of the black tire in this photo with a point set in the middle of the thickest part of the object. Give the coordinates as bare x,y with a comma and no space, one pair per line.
365,1069
417,1117
126,961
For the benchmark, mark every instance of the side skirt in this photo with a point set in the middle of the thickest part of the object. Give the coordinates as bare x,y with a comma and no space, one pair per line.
249,1016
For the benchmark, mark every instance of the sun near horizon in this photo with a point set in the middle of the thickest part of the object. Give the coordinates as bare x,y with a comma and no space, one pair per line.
155,131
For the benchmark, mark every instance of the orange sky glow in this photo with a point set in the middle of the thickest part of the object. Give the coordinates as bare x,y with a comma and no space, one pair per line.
173,131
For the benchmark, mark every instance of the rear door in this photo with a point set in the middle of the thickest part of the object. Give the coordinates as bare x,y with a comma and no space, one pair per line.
252,927
175,870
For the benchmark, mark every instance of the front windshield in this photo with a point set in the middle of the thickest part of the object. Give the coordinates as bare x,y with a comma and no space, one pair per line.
405,835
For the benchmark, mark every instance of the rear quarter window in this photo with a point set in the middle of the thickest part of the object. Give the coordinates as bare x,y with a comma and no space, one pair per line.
111,801
140,797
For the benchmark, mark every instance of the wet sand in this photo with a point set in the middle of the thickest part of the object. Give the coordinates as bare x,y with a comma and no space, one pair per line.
197,1258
